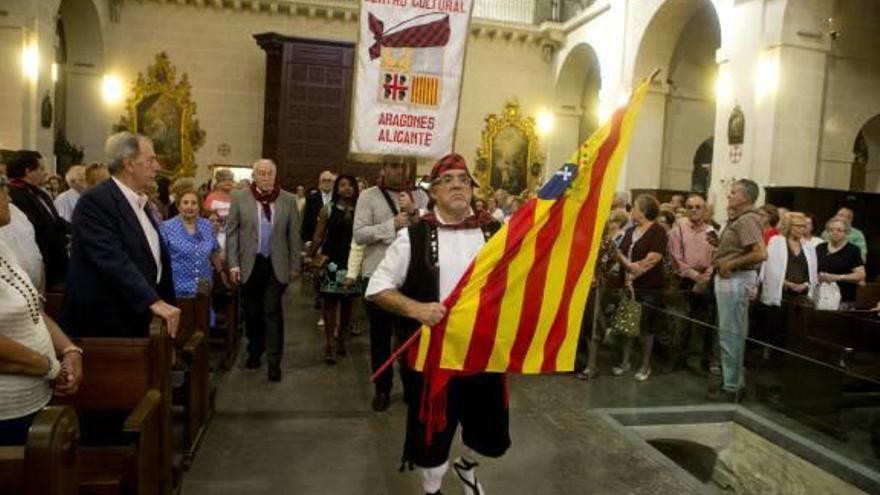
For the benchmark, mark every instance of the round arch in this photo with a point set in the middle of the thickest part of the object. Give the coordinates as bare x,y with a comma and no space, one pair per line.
577,88
681,39
865,171
79,53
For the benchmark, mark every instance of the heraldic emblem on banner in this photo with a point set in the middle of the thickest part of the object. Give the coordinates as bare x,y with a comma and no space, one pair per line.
411,59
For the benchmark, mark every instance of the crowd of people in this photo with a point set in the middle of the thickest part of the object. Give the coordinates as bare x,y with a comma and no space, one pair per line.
691,276
119,237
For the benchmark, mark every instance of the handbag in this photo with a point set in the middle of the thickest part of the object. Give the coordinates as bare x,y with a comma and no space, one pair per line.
828,296
627,316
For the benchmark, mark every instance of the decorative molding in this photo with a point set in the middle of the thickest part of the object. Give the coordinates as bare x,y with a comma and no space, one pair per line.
549,36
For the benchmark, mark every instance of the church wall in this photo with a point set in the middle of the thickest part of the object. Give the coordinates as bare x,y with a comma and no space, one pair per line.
12,92
226,69
684,116
853,98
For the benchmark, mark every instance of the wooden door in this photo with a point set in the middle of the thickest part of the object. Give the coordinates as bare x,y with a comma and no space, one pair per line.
308,105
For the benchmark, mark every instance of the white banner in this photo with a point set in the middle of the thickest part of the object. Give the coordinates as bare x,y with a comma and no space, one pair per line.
410,57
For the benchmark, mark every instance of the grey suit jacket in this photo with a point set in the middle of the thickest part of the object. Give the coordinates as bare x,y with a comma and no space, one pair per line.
242,235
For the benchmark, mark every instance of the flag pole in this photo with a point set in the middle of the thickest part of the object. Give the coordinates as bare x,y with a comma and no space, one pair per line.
396,354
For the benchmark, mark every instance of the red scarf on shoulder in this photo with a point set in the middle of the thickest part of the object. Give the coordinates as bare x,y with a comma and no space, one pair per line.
266,198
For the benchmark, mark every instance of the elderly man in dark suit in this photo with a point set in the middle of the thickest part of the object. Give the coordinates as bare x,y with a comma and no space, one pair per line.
120,270
263,250
314,202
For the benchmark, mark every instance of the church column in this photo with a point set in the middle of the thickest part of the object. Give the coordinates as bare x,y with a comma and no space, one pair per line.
13,89
645,156
562,141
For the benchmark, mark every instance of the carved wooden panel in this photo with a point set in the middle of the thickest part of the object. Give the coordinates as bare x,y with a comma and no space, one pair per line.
308,104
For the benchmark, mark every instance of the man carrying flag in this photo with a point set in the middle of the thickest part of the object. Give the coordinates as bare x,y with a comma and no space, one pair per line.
421,268
514,304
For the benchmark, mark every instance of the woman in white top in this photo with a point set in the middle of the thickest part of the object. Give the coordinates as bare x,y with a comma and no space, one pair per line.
790,272
31,345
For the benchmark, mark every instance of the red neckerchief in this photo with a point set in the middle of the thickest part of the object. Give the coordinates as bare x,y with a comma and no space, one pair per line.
475,221
266,199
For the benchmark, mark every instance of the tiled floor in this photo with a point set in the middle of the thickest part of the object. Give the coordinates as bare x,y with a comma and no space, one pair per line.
314,433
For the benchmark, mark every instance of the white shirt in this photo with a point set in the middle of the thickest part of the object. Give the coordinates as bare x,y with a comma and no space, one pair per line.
456,250
19,237
21,395
66,202
326,197
137,203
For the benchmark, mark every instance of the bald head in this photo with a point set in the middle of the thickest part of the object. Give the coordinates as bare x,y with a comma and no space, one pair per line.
264,171
76,178
325,181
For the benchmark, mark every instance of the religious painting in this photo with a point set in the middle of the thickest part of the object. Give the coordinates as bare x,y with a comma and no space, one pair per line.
510,155
507,158
160,108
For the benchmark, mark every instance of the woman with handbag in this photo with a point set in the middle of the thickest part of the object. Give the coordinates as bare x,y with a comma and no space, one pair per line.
840,266
640,256
333,236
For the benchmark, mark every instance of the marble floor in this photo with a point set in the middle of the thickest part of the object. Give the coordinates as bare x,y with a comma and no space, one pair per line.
314,432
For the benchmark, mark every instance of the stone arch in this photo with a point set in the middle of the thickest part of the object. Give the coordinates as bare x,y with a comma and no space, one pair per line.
80,57
577,88
681,39
866,156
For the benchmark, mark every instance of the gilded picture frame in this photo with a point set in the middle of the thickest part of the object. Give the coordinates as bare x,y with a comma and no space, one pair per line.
507,157
161,107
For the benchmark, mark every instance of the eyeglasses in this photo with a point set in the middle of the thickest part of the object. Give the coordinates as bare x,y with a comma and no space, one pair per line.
801,225
448,179
693,207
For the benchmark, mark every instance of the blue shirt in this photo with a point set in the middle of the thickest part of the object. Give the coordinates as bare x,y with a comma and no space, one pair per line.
190,254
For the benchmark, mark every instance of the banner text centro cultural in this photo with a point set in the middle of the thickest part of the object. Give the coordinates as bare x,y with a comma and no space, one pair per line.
410,58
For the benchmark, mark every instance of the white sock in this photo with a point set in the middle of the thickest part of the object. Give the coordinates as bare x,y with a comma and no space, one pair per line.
432,478
468,457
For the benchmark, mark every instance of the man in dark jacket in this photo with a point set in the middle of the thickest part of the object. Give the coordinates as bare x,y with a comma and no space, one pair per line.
120,270
314,202
26,173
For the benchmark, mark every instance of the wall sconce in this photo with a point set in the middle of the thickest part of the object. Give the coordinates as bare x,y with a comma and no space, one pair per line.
545,122
30,61
111,89
54,72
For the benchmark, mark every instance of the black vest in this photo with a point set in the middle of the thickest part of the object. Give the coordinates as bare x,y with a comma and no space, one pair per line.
422,281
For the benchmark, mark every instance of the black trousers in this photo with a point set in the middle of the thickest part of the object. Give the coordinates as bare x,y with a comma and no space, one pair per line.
476,402
264,319
381,331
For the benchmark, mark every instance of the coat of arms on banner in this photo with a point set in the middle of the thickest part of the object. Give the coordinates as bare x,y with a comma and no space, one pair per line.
411,59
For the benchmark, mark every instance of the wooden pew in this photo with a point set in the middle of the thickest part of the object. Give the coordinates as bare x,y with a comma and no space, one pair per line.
47,464
226,303
847,344
131,376
197,385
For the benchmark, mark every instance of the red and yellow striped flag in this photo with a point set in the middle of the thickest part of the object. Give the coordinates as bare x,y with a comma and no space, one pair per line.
518,307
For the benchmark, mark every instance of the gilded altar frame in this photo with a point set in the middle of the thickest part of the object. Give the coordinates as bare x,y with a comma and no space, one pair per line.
508,155
161,108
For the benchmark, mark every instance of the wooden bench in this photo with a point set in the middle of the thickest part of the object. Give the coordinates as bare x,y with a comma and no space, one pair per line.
230,329
848,347
131,377
193,333
47,463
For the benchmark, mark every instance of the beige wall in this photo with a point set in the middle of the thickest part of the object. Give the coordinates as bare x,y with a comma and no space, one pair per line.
226,69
